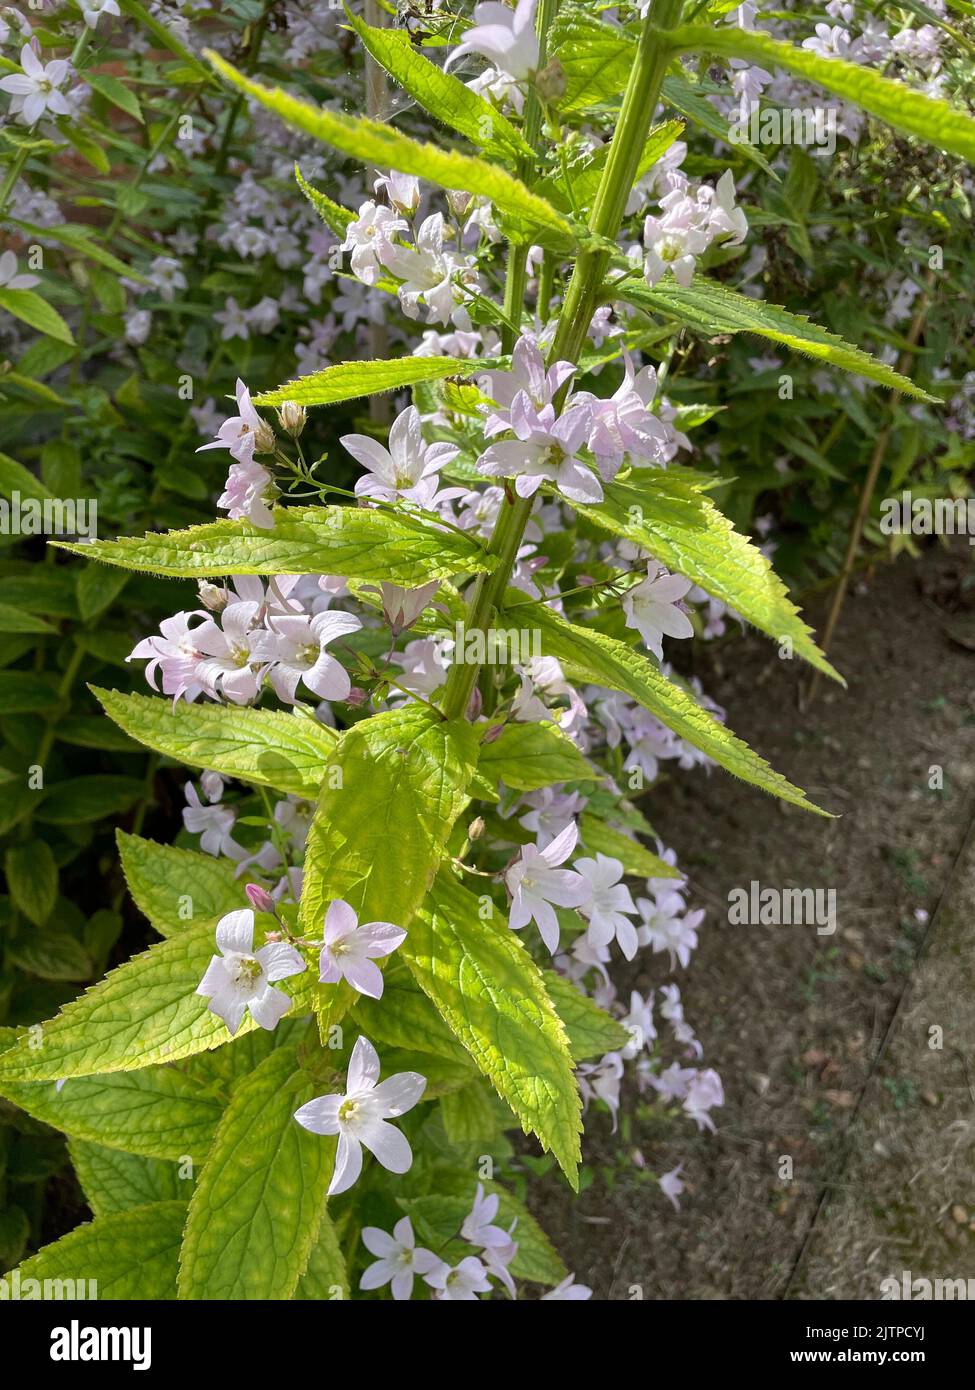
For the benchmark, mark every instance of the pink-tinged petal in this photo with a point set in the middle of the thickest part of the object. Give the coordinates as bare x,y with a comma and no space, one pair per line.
380,938
363,976
328,678
320,1115
340,920
269,1008
329,970
389,1146
370,454
235,931
548,926
379,1242
280,960
363,1066
348,1164
400,1093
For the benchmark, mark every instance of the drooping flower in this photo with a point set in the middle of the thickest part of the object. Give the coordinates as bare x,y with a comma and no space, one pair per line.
601,1080
213,824
92,10
535,883
505,36
350,950
408,468
35,90
607,902
241,978
173,652
651,607
360,1117
671,1185
402,607
399,1258
528,375
295,646
245,433
248,493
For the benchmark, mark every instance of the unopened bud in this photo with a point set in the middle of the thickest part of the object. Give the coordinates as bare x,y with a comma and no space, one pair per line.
550,82
264,439
459,202
356,696
476,829
292,417
493,733
212,596
259,897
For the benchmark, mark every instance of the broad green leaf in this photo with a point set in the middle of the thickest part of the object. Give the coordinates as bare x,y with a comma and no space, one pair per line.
129,1255
14,477
145,1012
35,311
710,308
600,838
83,799
471,1113
685,531
159,1112
591,1031
596,58
528,756
405,1018
332,214
53,955
266,747
372,142
173,887
444,96
347,380
326,1278
685,97
32,879
16,620
97,589
114,1181
254,1216
593,656
116,92
929,118
485,984
355,542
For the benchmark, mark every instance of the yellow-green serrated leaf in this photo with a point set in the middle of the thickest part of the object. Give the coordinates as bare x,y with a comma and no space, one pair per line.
254,1216
600,838
591,1031
593,656
491,993
114,1181
35,311
683,529
145,1012
159,1113
472,1113
129,1255
347,380
528,756
355,542
174,887
267,747
928,118
440,93
393,788
334,215
326,1279
373,142
707,307
391,793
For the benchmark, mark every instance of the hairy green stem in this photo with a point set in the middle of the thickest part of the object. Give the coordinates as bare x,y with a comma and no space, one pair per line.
619,175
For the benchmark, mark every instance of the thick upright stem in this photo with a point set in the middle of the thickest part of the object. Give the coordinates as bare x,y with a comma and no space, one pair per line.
636,113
